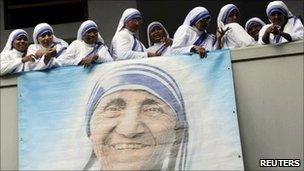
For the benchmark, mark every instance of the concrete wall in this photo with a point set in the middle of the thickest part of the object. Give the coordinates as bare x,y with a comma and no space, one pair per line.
269,93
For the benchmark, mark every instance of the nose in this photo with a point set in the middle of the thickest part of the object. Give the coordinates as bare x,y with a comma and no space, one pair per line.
276,16
130,125
234,17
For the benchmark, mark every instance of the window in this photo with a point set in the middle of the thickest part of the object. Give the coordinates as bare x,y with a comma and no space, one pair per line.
20,13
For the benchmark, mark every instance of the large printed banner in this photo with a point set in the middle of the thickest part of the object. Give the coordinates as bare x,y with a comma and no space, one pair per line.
164,113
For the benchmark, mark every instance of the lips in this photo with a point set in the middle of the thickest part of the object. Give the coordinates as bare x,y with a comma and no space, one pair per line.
129,146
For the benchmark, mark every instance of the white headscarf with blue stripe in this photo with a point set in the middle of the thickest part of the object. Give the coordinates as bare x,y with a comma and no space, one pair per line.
152,79
278,6
252,21
86,26
44,28
224,13
127,15
151,26
13,36
195,15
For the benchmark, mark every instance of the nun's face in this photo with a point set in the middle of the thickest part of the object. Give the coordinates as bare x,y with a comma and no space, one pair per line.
134,24
157,34
91,36
277,18
233,17
46,39
21,43
253,31
132,130
203,24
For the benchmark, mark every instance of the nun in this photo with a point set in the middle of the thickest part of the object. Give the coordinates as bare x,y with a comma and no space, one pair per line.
230,34
124,44
136,120
284,27
13,57
46,47
192,36
89,48
253,27
158,39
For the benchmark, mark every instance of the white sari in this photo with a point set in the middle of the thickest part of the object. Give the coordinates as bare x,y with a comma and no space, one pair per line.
294,26
187,35
236,36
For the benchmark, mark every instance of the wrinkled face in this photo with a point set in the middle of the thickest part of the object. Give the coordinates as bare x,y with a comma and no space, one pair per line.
203,24
233,17
91,36
253,31
134,24
277,18
157,33
132,130
21,43
46,39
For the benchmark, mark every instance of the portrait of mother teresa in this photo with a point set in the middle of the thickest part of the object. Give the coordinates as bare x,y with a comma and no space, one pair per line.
135,120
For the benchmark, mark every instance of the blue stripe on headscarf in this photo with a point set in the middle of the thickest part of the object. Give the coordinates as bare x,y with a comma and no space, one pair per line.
227,13
87,28
277,8
252,23
43,31
20,34
200,16
154,25
160,82
157,85
135,14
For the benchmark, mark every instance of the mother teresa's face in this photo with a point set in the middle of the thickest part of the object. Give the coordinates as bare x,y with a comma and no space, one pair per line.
132,130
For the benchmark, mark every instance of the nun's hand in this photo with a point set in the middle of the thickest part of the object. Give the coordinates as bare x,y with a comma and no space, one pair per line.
220,32
150,54
167,41
199,50
39,53
28,58
49,54
87,61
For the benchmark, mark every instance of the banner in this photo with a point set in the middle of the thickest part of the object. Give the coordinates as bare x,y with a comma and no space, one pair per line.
163,113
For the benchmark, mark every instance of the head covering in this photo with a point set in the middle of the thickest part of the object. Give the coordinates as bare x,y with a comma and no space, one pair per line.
127,15
278,6
151,26
252,21
195,15
152,79
86,26
224,13
44,28
13,36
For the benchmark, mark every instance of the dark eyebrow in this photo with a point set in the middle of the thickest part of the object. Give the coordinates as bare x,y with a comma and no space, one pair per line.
149,102
116,102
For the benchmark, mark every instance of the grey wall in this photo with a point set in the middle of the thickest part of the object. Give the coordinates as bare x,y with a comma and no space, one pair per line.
269,93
